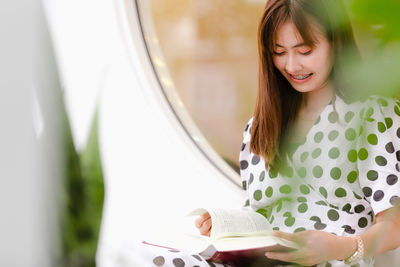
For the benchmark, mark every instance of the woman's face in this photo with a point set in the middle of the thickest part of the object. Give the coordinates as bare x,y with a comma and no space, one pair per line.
306,68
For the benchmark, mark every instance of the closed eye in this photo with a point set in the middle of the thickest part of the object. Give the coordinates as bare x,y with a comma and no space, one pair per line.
306,53
278,53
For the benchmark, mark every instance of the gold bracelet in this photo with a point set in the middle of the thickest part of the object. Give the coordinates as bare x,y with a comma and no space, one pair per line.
358,254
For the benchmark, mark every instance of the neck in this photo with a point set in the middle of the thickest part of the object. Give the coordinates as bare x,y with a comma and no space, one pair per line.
317,100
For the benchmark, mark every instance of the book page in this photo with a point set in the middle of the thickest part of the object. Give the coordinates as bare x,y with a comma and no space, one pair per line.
170,238
235,221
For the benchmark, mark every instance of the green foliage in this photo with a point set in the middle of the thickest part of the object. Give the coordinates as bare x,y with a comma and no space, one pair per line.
376,23
382,17
82,202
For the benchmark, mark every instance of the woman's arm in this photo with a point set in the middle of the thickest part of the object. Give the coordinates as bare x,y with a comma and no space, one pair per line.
319,246
384,235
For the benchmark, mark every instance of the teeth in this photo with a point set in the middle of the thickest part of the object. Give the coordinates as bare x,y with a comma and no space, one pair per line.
301,77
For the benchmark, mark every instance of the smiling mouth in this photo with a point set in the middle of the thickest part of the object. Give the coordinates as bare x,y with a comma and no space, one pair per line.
300,77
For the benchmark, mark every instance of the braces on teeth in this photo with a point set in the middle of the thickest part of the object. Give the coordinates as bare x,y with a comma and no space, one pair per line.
301,77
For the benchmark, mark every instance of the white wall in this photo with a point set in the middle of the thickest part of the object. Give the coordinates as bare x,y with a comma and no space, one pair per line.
30,138
154,173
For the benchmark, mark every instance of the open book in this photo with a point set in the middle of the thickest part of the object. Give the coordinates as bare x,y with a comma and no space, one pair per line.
238,237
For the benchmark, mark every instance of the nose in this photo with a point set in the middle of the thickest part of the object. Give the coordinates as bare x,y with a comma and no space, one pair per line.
293,65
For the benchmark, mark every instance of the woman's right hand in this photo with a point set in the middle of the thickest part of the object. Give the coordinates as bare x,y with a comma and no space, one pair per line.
203,223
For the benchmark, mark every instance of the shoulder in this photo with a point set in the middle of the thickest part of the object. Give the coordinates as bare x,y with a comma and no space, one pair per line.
372,110
376,107
247,131
380,112
380,118
248,125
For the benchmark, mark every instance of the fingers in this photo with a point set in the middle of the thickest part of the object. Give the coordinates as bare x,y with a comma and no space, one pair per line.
201,219
198,222
298,238
287,236
206,227
204,223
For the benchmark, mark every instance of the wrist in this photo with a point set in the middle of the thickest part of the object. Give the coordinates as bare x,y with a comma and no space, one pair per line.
358,253
347,247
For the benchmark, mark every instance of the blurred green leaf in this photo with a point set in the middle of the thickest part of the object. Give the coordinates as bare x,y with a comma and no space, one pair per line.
377,74
377,24
381,17
82,202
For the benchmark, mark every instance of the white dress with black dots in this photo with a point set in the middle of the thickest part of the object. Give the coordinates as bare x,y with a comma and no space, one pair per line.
346,171
158,256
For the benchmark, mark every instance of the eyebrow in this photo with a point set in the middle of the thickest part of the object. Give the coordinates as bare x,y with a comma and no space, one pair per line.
298,45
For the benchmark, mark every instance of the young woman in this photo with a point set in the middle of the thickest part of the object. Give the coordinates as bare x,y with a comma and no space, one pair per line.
322,168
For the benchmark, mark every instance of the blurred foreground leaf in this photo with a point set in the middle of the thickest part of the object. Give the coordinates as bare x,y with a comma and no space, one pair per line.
381,17
378,73
83,203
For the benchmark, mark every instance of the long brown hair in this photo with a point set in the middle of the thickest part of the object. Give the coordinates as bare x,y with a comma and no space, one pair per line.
277,101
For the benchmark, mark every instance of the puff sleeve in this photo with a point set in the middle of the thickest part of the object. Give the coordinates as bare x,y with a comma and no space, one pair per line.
378,153
244,155
244,159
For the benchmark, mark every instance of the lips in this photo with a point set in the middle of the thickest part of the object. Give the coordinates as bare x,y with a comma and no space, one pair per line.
300,79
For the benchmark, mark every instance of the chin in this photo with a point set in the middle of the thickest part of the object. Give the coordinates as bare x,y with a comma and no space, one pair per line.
304,89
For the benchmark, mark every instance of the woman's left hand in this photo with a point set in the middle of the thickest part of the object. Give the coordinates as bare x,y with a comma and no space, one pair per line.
315,247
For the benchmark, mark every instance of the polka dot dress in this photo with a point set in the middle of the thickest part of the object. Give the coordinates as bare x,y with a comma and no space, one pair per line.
177,258
345,171
146,255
